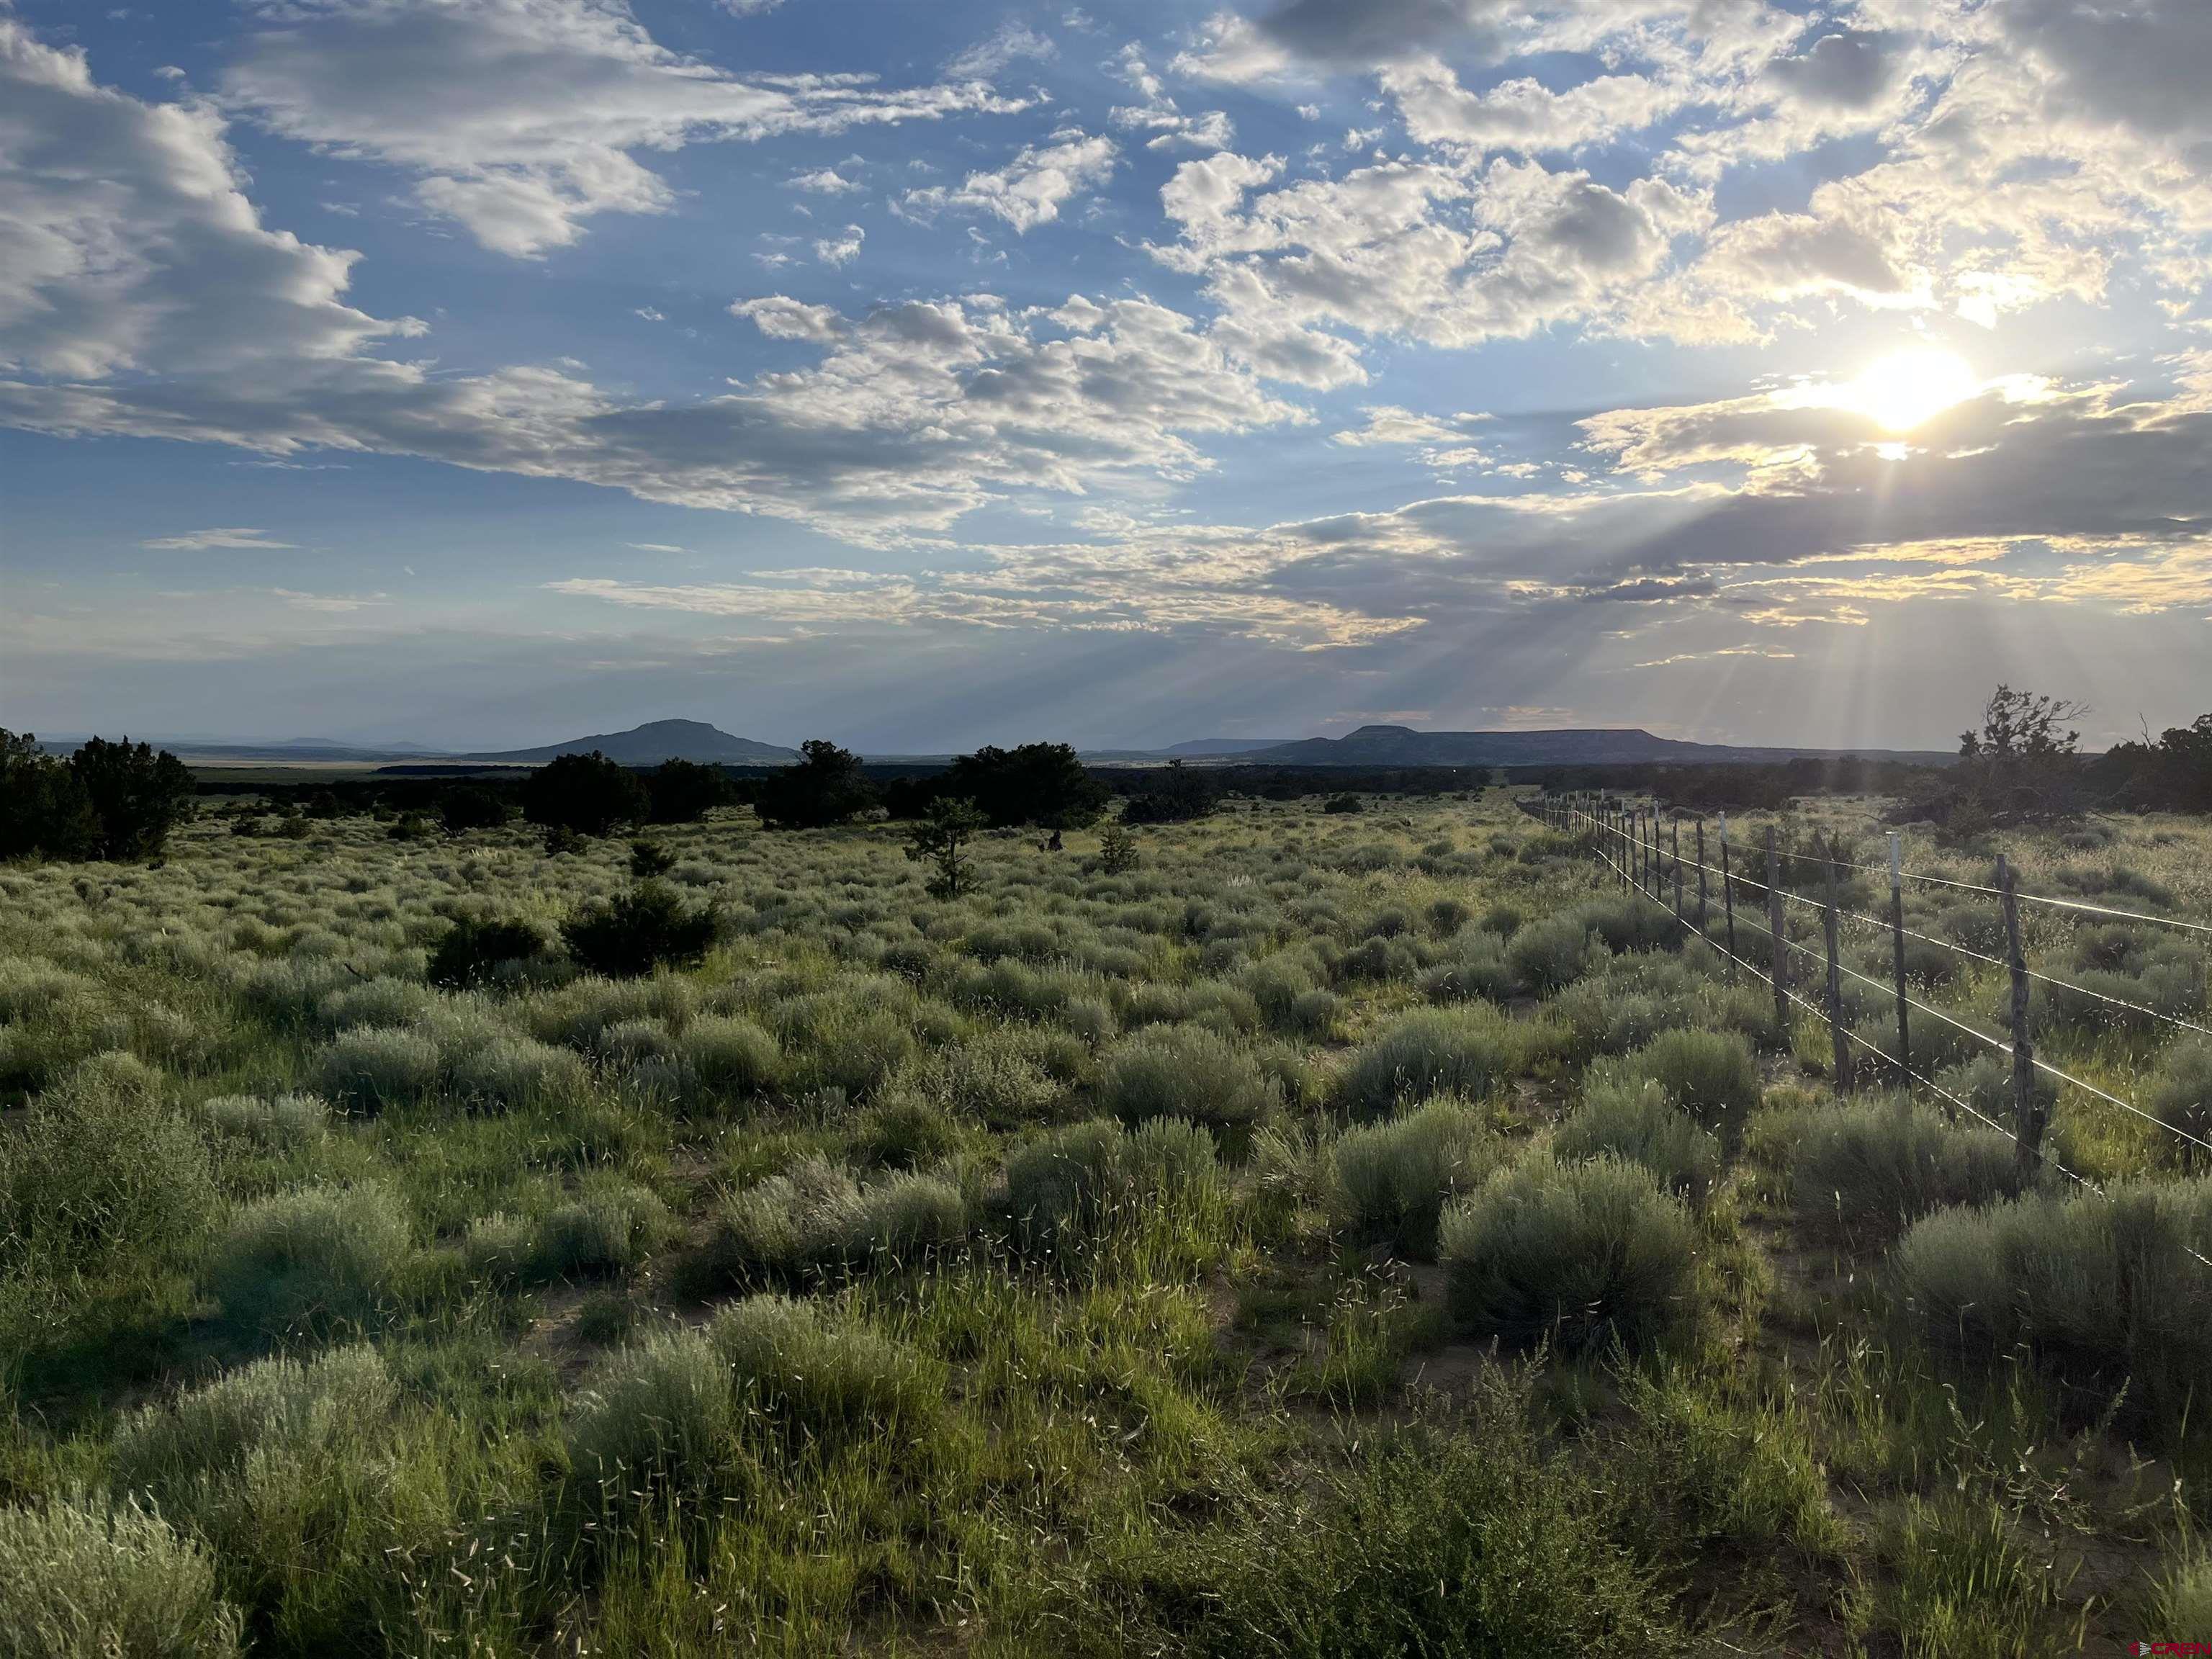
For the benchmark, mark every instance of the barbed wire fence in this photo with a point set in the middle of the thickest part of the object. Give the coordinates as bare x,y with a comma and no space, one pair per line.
1627,837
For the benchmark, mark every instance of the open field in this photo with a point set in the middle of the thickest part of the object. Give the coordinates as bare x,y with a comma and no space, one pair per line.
1360,1234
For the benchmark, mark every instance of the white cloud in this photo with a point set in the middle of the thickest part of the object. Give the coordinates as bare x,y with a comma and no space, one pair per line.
843,248
1031,190
826,181
1014,42
199,541
522,119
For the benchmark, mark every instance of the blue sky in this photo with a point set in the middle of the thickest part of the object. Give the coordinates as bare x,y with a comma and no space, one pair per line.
480,372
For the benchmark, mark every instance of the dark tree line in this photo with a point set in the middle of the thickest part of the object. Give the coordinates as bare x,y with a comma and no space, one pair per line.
108,800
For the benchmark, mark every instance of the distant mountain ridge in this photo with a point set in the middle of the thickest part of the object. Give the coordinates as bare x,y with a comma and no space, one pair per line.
1401,745
657,741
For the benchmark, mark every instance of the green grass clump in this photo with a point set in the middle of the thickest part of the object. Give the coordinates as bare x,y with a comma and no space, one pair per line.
1097,1180
315,1260
81,1580
1458,1051
2102,1287
1642,1125
1390,1181
1181,1071
1426,1539
1868,1169
1577,1255
816,1378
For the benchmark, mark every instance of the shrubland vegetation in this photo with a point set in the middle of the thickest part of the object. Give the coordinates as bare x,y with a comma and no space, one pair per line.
1257,1231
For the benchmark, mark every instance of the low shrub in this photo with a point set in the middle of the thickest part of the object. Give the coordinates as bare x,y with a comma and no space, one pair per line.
100,1164
1184,1071
657,1418
311,1260
371,1070
474,949
1577,1255
1458,1051
1390,1181
2103,1287
1642,1126
2179,1093
1552,952
1868,1169
727,1058
276,1123
78,1576
1474,965
1712,1075
633,933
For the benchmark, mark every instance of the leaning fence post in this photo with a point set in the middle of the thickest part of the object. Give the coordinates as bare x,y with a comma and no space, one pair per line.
1774,933
2027,1111
1728,887
1835,979
1897,960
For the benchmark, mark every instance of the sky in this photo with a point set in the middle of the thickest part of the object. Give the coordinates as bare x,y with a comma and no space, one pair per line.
480,372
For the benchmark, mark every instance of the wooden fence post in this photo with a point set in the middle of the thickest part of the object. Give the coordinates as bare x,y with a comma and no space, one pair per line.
1728,887
2027,1111
1897,959
1774,933
1701,878
1674,854
1835,979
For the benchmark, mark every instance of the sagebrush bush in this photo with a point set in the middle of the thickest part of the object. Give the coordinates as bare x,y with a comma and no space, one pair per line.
1390,1180
1642,1125
659,1416
1577,1255
726,1059
82,1579
1868,1169
2100,1286
368,1071
1552,952
1184,1071
276,1123
101,1164
311,1260
1458,1051
2179,1092
1712,1075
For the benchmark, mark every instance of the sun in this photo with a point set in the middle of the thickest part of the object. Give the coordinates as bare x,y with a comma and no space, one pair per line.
1907,387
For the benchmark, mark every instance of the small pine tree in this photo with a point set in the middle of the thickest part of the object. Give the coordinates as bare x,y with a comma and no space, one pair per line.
1117,851
943,839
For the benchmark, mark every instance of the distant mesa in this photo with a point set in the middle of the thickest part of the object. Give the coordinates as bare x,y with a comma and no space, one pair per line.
1401,745
660,740
1199,748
